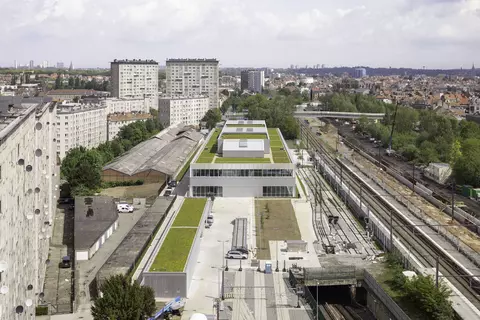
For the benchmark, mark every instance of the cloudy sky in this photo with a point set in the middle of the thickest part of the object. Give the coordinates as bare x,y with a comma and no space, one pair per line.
275,33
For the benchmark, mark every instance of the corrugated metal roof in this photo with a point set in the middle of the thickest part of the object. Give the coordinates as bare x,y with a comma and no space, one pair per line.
165,152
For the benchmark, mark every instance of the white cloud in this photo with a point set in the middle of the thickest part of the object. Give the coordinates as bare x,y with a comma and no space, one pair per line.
244,32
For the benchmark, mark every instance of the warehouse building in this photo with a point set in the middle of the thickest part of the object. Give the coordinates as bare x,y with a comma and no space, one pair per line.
157,159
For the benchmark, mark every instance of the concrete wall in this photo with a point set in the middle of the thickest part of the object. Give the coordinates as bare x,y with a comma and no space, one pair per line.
172,284
166,284
27,191
243,154
81,255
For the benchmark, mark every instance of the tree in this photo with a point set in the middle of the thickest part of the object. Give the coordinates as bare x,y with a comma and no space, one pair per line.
82,167
122,300
212,117
58,83
467,167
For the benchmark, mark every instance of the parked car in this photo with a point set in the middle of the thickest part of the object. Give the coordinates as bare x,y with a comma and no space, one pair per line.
172,183
168,193
210,219
236,255
65,263
125,208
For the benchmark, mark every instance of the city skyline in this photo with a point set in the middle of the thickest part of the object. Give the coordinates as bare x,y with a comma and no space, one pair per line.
397,33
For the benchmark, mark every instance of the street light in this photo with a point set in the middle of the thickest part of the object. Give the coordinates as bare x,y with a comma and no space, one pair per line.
223,252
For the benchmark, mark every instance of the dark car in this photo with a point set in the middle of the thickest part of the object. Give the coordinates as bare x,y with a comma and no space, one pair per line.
65,263
172,183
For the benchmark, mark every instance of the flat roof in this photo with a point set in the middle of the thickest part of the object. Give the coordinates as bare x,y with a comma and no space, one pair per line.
134,61
93,216
173,254
201,60
246,122
129,250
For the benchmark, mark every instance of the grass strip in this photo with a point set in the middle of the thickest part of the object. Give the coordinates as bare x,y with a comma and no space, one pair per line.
190,213
173,254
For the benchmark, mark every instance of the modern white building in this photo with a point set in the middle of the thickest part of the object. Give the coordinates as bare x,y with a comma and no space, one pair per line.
189,110
193,77
118,120
80,125
252,80
243,159
135,79
28,178
360,73
117,105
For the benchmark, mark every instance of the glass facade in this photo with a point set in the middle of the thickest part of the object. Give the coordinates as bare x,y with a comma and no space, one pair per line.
207,191
243,173
277,192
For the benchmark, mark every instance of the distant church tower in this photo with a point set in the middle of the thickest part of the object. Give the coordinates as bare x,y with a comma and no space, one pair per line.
474,72
71,66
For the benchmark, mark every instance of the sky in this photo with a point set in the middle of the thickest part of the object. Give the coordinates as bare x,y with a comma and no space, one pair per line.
244,33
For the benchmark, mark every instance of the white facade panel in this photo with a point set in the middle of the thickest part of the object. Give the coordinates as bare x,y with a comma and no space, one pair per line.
116,105
81,255
28,175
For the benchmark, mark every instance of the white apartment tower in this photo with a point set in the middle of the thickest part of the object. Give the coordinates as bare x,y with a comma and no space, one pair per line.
135,79
193,77
80,125
187,110
28,182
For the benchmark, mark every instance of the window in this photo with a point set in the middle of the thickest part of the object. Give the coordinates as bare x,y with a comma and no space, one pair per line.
207,191
277,191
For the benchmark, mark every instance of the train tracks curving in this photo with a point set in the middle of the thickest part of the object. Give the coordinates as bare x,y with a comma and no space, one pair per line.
421,247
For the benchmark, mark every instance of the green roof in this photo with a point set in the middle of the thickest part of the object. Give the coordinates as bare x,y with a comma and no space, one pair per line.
175,249
210,149
276,146
243,136
242,160
173,254
190,213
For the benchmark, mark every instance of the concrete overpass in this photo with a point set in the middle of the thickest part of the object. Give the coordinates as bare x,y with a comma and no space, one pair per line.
339,115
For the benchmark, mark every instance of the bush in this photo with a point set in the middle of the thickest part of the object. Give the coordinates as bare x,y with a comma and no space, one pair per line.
113,184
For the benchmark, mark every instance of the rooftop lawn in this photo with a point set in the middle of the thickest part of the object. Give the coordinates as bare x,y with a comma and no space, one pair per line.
242,160
173,254
276,145
243,136
245,125
210,149
190,213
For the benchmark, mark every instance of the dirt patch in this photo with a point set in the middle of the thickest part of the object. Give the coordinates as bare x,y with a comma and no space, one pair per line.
149,191
279,223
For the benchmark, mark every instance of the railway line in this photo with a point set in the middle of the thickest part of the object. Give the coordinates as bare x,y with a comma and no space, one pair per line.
350,232
421,247
341,312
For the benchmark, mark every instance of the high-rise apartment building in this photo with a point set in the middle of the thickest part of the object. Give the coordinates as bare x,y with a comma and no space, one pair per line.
252,80
187,110
360,73
135,79
60,65
31,65
193,77
80,125
117,105
28,179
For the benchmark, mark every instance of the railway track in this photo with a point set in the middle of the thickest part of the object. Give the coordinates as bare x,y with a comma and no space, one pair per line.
421,247
314,180
341,312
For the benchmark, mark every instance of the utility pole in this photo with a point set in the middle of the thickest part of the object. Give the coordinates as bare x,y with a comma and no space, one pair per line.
436,271
413,177
453,199
391,231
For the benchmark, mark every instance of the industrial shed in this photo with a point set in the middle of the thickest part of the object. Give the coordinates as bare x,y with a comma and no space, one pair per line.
154,160
96,218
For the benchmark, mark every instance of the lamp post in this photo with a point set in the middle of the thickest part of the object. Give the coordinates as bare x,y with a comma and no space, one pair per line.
223,251
316,300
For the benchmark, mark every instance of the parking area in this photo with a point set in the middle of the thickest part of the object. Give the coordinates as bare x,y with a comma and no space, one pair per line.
205,285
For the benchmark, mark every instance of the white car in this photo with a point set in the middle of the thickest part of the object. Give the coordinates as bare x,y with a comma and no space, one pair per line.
236,255
125,208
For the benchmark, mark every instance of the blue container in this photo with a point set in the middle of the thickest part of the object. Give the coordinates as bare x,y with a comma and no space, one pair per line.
268,267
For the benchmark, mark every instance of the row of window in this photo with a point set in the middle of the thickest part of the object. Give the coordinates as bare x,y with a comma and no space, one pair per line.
208,191
242,173
277,192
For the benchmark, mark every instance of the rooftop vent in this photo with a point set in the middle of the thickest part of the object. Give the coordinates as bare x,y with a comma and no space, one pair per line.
239,129
249,129
89,212
250,121
241,122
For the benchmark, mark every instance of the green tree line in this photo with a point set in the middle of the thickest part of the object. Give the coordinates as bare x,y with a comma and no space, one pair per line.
277,111
82,167
342,102
423,136
77,83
